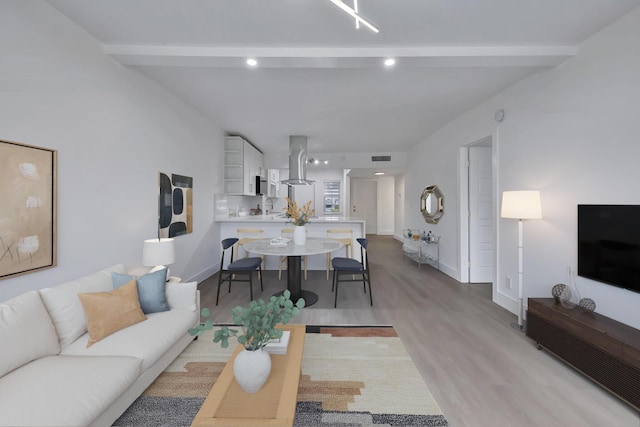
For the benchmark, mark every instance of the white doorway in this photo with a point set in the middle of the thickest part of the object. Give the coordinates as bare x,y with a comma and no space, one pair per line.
481,245
364,203
478,213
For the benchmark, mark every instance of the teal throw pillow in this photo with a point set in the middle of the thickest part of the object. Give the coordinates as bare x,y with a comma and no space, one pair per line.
151,289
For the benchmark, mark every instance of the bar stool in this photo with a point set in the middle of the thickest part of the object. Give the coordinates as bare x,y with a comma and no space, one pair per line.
288,233
343,235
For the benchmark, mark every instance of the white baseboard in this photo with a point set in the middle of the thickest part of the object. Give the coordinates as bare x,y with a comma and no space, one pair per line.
385,233
510,304
449,271
205,274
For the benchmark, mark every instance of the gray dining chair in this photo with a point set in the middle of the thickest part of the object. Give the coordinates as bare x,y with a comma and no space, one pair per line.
349,266
241,267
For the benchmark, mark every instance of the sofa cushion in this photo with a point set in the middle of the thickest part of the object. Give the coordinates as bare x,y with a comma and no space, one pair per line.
151,289
148,340
182,295
64,306
64,390
109,312
26,332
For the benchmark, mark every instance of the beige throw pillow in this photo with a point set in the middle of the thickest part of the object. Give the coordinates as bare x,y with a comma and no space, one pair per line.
108,312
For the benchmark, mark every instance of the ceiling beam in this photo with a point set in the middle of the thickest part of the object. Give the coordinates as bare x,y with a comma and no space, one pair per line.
341,57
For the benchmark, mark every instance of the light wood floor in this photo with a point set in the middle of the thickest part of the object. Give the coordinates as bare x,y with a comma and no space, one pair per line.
480,370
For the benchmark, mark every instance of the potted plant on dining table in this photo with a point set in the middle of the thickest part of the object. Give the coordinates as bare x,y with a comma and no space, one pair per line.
299,217
257,321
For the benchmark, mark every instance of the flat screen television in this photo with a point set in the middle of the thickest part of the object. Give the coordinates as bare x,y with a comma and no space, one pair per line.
609,244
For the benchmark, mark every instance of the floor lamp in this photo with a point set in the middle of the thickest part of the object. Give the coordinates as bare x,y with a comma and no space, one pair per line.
520,205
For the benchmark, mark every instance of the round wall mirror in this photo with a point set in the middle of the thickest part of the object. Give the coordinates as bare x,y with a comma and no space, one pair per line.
432,204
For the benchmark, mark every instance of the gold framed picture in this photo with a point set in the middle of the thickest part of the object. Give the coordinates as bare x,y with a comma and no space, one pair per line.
28,192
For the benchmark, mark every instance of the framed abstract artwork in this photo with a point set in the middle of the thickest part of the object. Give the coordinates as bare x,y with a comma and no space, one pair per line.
175,205
28,178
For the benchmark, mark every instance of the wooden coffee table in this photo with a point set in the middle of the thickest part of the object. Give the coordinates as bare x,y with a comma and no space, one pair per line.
274,405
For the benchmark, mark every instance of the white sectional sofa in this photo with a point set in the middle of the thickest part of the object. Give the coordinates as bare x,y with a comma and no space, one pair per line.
48,376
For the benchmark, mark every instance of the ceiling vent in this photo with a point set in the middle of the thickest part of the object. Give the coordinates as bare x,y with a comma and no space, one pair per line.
380,158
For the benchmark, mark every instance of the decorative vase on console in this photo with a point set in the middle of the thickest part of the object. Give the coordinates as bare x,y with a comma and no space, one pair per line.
570,295
565,298
299,216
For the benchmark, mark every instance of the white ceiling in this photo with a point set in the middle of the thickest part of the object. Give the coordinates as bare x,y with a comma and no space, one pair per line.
319,76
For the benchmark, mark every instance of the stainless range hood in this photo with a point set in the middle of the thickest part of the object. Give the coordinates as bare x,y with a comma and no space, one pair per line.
297,161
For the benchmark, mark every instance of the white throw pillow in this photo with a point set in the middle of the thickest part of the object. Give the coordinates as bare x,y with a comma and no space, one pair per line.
26,332
182,295
65,308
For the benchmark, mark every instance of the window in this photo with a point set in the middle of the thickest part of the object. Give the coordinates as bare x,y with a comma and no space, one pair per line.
332,197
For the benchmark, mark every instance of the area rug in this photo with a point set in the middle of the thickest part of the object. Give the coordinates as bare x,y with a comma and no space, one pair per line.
351,376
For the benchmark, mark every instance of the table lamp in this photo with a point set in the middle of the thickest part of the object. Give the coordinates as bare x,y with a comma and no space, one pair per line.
521,205
158,253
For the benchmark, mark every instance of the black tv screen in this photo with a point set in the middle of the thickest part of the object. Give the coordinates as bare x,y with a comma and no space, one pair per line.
609,244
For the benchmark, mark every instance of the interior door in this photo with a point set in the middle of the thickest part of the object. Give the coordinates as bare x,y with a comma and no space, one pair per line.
481,245
364,203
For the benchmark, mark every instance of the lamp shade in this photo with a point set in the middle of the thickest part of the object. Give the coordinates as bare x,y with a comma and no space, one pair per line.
158,252
521,205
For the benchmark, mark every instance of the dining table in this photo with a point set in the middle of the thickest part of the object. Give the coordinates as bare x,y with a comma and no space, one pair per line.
294,253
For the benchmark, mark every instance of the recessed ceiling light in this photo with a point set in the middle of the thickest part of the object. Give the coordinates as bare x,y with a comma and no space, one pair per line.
378,173
252,62
389,62
326,162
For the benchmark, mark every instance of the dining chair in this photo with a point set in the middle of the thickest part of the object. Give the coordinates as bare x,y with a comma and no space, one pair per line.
246,235
288,233
343,235
352,266
243,266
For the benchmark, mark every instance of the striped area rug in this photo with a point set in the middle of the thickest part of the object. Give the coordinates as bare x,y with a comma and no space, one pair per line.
351,376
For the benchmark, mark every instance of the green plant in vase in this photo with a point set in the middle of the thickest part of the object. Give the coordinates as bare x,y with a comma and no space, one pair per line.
258,321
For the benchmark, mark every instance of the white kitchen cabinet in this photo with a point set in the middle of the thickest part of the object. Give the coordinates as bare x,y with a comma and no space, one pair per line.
258,164
242,163
234,165
249,184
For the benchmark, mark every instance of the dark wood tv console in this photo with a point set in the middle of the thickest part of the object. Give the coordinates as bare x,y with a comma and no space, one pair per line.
603,349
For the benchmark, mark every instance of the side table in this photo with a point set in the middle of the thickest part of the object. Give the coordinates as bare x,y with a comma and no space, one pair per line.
423,251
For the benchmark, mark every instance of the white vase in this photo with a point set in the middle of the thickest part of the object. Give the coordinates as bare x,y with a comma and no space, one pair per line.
299,235
251,369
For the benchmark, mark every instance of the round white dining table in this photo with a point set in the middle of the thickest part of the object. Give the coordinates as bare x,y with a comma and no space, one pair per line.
294,254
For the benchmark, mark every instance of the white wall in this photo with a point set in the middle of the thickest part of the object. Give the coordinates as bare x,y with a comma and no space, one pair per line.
320,176
114,131
571,132
399,206
386,205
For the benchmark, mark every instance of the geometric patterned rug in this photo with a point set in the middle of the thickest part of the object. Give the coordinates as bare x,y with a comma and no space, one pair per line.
351,376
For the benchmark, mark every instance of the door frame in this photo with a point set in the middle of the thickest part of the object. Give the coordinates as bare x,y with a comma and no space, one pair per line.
463,167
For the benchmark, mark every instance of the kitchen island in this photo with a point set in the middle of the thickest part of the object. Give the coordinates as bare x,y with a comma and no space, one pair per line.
273,224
